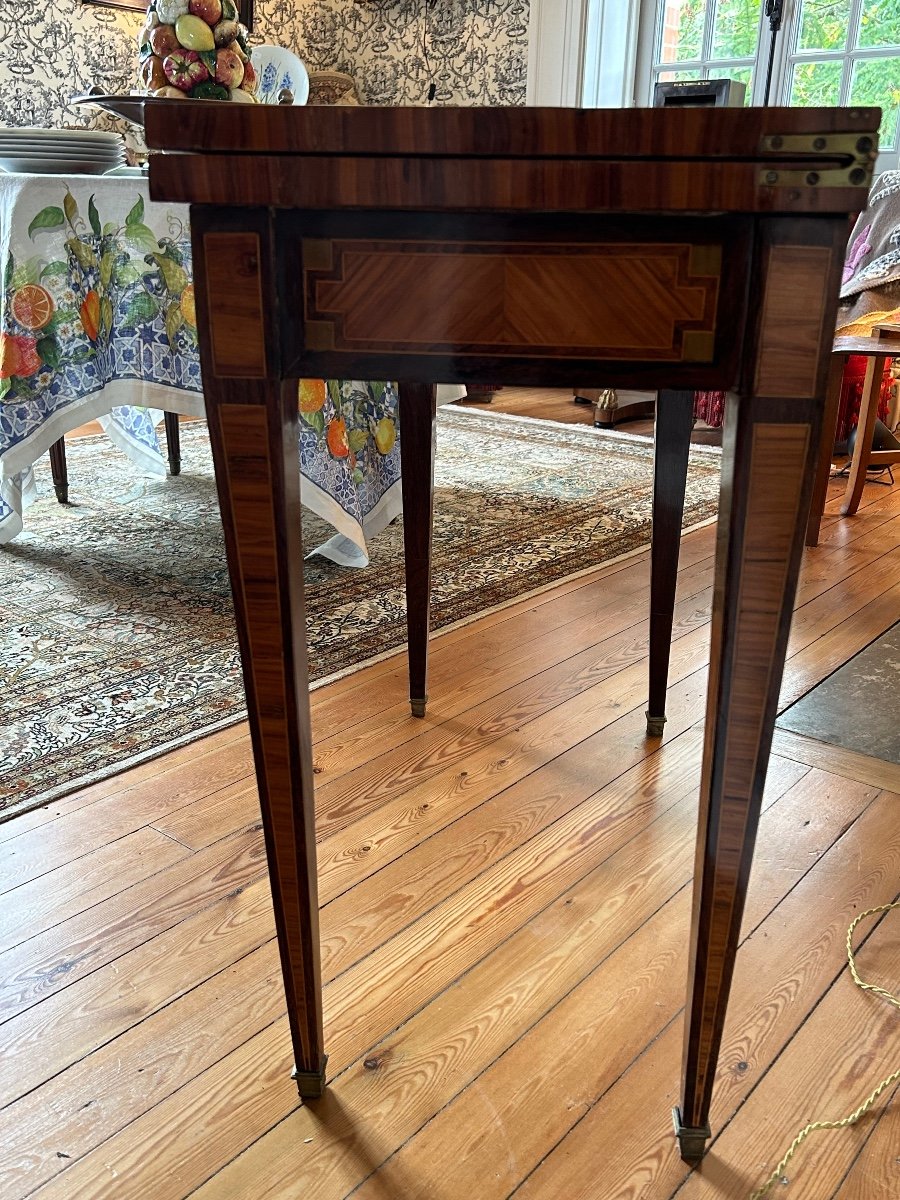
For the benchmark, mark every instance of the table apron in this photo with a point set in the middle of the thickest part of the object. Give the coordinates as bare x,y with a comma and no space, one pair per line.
657,301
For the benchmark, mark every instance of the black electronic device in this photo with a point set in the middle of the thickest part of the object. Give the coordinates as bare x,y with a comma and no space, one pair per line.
699,93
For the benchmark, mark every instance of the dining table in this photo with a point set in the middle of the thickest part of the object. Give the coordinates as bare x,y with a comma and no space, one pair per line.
98,323
662,249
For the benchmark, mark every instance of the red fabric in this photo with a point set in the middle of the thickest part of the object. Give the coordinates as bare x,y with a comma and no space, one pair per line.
710,406
851,394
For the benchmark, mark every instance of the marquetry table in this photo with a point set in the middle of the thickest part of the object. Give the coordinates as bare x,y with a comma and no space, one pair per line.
682,250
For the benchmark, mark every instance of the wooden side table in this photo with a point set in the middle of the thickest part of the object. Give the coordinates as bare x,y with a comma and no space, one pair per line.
530,246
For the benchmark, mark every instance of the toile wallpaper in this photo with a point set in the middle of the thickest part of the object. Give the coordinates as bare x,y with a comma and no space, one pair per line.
474,51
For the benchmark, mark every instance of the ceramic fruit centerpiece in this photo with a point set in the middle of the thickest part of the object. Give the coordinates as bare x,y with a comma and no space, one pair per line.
196,49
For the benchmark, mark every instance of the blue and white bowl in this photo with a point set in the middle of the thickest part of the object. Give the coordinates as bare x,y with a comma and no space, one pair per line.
278,69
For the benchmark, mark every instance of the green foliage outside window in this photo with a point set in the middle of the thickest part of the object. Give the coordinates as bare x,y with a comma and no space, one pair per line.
824,26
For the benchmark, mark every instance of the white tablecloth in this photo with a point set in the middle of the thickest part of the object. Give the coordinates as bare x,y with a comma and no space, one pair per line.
97,322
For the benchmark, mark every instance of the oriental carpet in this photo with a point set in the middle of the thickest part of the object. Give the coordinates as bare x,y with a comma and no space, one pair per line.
118,636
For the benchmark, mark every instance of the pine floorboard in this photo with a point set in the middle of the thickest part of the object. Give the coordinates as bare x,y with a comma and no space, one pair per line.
505,894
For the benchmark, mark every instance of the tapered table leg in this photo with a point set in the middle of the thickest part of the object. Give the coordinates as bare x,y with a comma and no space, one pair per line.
173,442
770,444
253,425
674,420
417,445
59,471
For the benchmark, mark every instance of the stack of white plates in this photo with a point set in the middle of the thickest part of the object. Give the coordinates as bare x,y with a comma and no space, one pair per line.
60,151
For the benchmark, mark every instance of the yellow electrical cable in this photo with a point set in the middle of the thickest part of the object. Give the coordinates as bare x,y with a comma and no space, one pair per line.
870,1100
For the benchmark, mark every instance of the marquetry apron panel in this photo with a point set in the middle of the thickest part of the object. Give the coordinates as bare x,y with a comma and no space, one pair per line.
559,292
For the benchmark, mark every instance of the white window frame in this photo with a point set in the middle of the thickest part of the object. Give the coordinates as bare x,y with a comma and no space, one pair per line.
648,63
790,55
556,52
786,55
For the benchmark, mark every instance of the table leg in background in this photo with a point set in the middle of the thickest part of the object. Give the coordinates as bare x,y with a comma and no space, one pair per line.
417,446
59,470
672,432
173,442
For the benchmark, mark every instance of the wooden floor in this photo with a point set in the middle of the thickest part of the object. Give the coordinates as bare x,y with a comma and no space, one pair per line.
505,897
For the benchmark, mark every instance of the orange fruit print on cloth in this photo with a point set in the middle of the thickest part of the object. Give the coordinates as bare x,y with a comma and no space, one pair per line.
18,356
90,314
311,395
337,438
32,307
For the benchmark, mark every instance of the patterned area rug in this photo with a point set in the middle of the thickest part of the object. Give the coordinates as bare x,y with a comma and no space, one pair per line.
118,637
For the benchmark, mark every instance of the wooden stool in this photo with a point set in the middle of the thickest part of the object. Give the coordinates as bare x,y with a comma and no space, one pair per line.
883,345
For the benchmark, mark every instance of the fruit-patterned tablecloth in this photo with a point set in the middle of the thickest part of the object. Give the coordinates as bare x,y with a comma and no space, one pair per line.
97,321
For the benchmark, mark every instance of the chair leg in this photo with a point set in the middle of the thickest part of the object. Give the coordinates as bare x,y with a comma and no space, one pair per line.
60,471
674,420
173,442
868,410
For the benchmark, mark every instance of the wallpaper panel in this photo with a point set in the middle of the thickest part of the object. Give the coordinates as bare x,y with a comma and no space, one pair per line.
475,51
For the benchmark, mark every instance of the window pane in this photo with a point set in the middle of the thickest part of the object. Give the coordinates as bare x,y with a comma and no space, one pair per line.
880,23
816,83
668,76
824,23
681,36
741,74
736,29
877,81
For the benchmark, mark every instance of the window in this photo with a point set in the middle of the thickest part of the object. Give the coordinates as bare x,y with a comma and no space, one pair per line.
702,39
828,52
847,52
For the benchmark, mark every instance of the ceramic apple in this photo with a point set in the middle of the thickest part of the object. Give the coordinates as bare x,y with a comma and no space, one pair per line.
169,93
209,11
163,40
184,69
229,69
242,96
250,82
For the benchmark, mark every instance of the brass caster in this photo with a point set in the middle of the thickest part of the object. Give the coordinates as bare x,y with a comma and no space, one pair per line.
655,725
691,1141
310,1084
417,707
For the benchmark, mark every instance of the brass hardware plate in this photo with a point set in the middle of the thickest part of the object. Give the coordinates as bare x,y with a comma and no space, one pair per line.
859,151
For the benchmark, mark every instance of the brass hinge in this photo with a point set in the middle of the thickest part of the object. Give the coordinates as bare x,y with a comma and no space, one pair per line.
858,152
